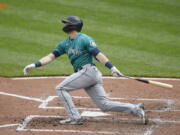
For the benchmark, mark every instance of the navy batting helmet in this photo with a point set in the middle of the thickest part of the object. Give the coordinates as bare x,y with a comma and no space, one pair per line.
73,23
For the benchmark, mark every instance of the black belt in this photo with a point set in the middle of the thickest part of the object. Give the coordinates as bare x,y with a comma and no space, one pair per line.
80,68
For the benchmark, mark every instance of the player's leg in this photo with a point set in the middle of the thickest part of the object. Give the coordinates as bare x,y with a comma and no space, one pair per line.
75,81
99,97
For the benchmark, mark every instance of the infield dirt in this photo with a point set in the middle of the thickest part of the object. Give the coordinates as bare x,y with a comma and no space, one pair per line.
163,107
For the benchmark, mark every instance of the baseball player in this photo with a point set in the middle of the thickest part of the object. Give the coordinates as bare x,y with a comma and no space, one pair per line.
81,49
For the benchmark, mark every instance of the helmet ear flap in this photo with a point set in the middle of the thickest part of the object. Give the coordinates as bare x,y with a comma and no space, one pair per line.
80,27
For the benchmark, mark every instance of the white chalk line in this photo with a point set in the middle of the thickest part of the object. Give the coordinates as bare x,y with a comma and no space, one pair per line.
149,131
22,97
97,109
169,103
29,118
73,131
104,77
50,98
22,127
25,122
118,98
154,120
45,102
9,125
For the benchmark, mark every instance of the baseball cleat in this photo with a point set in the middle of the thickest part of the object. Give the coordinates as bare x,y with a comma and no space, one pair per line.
76,122
65,121
141,113
71,121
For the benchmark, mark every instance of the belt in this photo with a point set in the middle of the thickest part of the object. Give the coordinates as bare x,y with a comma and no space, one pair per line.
87,65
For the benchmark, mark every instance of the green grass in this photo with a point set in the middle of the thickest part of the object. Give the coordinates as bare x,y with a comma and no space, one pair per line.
140,37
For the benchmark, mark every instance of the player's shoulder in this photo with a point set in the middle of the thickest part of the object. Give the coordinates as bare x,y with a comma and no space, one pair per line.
88,40
63,42
85,37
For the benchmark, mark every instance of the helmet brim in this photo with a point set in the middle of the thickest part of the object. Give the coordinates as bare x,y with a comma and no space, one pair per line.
65,21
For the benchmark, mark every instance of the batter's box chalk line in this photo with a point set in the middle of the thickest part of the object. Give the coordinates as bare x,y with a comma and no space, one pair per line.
149,130
22,97
23,127
9,125
44,103
169,103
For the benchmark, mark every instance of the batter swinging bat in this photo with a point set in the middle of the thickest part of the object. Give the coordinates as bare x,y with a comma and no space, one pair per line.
165,85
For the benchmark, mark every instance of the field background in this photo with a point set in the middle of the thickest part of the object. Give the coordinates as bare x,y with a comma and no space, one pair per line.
142,38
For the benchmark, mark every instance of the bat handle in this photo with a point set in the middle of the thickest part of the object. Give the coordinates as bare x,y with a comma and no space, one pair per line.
138,79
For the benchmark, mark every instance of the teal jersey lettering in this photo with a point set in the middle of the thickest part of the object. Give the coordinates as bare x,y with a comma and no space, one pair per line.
78,50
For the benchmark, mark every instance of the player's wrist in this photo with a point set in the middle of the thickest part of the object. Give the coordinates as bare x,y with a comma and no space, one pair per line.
109,65
37,64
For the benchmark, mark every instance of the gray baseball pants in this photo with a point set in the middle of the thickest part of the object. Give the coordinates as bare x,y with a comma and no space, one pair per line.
90,79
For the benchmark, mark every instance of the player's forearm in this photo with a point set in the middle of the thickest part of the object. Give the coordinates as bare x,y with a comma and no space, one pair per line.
102,58
43,61
47,59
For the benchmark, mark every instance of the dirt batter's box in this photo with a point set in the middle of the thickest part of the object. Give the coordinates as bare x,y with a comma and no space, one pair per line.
48,123
99,125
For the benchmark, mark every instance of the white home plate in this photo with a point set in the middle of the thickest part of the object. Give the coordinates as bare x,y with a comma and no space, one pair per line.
93,114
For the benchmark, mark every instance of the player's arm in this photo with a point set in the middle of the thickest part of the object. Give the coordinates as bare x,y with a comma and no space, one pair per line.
58,51
46,60
105,61
94,51
43,61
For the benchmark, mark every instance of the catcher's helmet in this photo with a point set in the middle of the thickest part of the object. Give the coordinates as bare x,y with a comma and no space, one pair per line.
73,23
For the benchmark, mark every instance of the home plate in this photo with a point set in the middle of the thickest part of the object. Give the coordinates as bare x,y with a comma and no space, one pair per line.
93,114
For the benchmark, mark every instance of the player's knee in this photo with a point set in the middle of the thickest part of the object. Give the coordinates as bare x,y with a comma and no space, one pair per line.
59,87
59,91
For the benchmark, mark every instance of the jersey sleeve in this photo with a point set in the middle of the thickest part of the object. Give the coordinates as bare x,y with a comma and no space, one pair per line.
92,47
59,50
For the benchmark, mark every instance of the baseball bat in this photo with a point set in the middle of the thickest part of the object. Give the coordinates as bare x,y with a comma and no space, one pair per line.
165,85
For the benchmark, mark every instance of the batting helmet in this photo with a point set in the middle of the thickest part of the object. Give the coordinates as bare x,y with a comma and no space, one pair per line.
73,23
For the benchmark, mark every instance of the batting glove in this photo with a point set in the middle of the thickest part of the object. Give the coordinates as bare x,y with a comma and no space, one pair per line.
116,72
28,68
